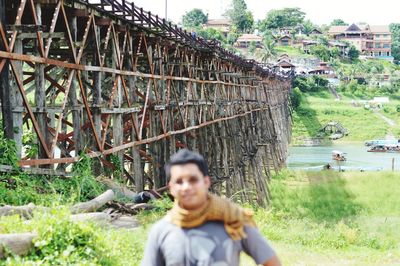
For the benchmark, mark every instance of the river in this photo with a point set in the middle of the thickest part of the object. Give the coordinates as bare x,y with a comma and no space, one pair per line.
314,158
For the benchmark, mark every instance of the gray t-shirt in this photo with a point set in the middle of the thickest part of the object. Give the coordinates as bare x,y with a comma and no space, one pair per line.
205,245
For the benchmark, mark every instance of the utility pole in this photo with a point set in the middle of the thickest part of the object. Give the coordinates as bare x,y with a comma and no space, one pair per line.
166,10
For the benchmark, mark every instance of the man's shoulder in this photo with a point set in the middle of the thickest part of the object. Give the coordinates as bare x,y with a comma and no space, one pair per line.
163,225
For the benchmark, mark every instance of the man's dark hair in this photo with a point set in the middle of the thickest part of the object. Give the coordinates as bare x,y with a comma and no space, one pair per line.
185,156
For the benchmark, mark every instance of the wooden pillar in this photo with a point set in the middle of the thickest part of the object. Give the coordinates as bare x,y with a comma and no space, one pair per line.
16,100
136,166
117,126
97,99
73,101
6,107
191,91
40,93
117,135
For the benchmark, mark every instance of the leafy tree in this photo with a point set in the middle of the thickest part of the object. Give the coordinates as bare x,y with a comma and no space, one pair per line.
353,53
335,52
321,52
211,34
296,98
313,83
339,22
281,18
240,16
232,37
307,26
252,47
395,30
194,18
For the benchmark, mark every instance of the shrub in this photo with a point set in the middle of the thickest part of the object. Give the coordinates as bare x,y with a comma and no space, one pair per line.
310,84
295,98
8,151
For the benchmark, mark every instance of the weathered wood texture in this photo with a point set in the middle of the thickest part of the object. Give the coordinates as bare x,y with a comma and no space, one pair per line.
26,211
130,84
18,244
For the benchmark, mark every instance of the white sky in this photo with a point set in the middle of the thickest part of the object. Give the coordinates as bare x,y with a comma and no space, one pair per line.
318,11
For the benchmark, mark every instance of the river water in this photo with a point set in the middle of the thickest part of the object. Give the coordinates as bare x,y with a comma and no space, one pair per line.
314,158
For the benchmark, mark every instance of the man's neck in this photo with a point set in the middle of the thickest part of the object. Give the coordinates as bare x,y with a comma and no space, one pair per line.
194,208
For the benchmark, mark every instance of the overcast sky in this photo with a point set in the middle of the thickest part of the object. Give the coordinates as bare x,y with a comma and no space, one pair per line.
318,11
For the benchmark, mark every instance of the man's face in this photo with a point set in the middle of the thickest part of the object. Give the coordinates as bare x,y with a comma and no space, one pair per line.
189,186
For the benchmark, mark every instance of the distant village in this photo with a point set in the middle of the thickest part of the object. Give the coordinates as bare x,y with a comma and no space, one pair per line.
372,41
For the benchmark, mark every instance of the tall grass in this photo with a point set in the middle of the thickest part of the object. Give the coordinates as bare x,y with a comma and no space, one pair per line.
334,210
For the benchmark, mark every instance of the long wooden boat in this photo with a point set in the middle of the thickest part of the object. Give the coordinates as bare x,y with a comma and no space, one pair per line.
385,148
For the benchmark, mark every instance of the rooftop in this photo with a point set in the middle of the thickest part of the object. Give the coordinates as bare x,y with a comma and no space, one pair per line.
225,22
249,38
360,28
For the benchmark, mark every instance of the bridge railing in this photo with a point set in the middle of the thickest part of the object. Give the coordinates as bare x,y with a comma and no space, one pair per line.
127,10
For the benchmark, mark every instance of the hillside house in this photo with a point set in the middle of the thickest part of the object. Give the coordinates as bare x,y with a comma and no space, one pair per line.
222,25
284,40
307,44
244,40
315,32
284,64
371,40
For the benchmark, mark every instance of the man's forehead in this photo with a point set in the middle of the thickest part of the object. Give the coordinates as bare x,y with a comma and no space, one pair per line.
190,168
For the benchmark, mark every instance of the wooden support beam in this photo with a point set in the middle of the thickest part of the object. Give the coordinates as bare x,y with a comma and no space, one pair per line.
16,102
40,91
120,110
6,107
54,35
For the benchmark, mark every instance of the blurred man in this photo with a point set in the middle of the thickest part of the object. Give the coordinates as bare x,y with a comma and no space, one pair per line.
201,228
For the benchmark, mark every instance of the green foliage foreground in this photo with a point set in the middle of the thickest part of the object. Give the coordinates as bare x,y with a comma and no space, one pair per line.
314,217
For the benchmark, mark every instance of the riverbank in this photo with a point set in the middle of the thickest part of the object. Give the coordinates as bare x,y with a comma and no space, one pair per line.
318,109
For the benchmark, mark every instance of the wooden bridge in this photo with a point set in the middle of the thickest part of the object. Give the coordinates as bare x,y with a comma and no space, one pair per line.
107,79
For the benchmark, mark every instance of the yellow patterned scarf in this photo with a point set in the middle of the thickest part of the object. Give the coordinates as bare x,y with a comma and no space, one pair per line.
216,209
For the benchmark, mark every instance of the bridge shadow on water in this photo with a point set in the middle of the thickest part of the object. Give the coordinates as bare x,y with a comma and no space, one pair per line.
328,199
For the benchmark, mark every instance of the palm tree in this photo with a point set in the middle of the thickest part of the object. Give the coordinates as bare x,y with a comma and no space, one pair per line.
266,51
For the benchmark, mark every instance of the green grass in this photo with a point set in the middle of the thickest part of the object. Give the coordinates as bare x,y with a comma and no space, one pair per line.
317,110
292,51
316,218
330,218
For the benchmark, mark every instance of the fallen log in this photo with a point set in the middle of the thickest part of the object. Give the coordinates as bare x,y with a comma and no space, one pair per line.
94,204
127,208
142,206
127,222
99,217
120,190
24,211
123,191
18,244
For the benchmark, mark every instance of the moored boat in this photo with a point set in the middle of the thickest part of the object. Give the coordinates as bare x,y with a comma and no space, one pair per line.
385,148
338,155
